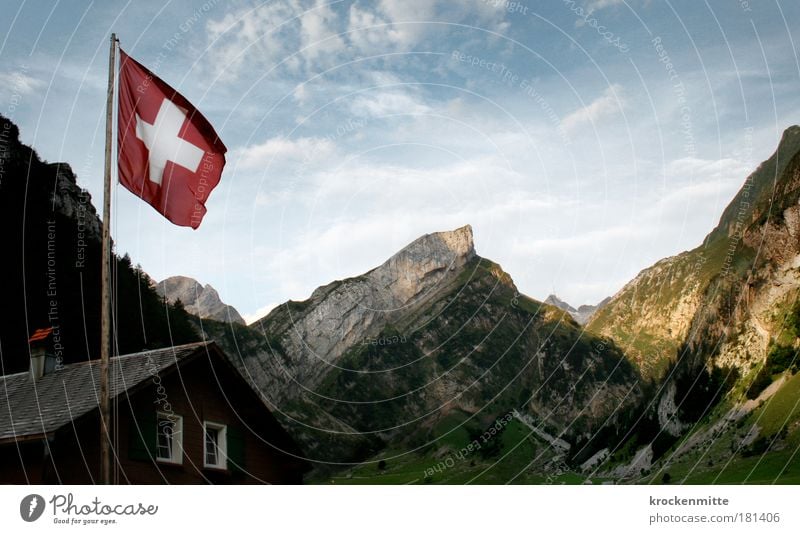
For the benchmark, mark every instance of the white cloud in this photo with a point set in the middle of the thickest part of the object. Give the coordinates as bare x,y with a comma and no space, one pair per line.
19,82
595,5
260,313
310,35
607,104
399,25
374,30
280,149
294,32
587,239
317,32
387,102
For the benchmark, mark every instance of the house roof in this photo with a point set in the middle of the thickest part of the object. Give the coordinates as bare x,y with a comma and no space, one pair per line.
33,408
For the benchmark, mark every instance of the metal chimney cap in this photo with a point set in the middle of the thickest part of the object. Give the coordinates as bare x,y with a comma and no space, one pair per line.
40,334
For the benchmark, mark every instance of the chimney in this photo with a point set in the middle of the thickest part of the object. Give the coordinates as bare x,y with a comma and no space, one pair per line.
37,345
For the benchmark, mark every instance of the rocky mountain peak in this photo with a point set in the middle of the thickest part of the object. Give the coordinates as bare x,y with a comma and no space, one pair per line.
454,246
424,261
460,240
766,184
346,312
553,300
197,299
790,132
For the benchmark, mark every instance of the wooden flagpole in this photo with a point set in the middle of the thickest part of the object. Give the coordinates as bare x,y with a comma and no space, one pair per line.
105,302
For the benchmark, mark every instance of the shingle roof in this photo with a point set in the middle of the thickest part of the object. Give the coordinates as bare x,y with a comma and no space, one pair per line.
32,408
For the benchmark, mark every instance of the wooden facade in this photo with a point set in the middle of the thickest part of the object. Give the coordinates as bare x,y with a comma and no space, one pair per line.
199,389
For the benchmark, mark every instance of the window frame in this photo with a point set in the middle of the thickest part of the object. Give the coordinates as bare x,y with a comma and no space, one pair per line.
222,445
177,438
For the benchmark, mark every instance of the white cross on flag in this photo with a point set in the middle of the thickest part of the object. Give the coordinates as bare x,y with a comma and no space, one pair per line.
168,153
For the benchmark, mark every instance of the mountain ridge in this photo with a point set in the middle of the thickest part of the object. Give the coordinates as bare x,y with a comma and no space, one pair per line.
200,300
652,315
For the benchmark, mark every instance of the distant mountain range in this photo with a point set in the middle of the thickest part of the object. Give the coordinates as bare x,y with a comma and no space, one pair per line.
582,314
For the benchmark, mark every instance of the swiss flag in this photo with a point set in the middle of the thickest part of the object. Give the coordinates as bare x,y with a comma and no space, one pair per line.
169,154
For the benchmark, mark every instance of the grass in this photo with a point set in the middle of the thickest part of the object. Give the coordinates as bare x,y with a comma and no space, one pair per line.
782,409
779,417
716,464
510,465
754,470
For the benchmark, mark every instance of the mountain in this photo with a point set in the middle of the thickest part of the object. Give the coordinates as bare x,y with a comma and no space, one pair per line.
436,337
582,314
199,300
717,329
671,303
688,373
432,367
51,233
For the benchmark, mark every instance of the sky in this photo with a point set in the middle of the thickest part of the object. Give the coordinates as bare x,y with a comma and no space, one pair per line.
583,140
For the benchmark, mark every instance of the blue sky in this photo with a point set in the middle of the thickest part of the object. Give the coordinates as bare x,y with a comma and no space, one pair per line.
583,140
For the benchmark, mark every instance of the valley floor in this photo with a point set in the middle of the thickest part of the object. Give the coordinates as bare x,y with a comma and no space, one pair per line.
762,447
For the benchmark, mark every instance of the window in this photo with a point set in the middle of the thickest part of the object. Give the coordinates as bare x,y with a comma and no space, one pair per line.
169,439
215,446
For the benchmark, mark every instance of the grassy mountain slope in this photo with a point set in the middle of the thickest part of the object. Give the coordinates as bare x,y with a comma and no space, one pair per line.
718,328
652,317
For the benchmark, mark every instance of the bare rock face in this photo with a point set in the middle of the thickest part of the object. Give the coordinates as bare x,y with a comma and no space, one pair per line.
74,202
316,332
416,269
199,300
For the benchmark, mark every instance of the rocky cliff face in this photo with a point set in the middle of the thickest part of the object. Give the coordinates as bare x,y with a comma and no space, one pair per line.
316,332
197,299
434,330
650,317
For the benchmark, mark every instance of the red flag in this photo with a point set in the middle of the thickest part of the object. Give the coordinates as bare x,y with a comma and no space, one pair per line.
169,154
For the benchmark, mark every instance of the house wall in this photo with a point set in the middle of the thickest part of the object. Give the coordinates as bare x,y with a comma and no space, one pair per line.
31,454
199,391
